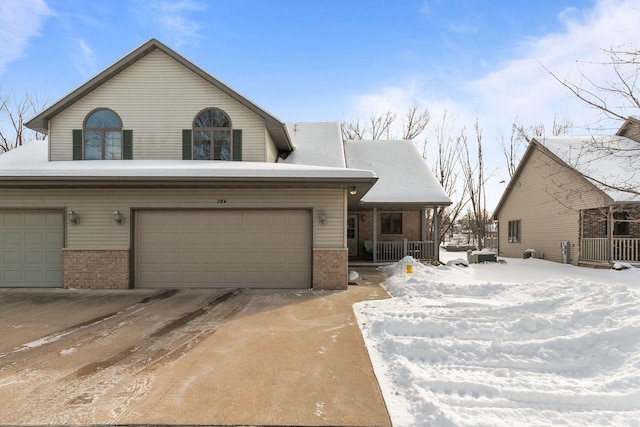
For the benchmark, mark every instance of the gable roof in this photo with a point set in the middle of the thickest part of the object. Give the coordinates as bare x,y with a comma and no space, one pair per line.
404,178
275,127
605,162
608,162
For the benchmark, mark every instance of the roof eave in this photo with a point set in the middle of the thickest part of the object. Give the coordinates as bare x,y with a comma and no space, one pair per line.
363,183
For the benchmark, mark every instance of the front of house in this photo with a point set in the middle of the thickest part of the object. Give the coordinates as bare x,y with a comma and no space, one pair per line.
574,200
155,174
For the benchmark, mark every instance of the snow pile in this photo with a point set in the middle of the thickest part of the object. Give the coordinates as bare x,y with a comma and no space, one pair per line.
452,351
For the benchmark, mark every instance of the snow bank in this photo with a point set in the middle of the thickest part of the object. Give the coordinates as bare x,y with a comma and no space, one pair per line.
450,351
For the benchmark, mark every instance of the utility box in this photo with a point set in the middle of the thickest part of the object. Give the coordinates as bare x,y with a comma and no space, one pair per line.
565,249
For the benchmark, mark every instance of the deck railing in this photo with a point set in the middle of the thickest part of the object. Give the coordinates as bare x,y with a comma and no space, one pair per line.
394,251
622,249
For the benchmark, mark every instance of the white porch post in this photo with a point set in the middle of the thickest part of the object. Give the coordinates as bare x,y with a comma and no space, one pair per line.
436,234
610,234
424,225
375,235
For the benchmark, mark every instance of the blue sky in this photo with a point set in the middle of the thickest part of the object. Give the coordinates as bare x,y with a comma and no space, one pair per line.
311,60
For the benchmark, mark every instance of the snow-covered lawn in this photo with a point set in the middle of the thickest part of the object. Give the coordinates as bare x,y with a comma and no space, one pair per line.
526,343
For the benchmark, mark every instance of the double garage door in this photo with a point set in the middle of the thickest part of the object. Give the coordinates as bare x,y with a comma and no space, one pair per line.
223,248
31,245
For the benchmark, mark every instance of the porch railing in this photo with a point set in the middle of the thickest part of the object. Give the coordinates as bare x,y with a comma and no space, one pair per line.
394,251
622,249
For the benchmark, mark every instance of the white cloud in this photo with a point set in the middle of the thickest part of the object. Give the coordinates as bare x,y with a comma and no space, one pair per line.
19,22
520,88
175,18
84,59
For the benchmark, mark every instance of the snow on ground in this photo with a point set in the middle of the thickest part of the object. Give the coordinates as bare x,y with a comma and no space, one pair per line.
526,343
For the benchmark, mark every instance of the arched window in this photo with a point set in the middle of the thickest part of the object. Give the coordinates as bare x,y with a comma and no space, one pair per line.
212,138
102,136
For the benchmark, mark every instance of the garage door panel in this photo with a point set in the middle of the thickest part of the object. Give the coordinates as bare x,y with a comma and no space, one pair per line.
12,237
229,249
12,257
31,245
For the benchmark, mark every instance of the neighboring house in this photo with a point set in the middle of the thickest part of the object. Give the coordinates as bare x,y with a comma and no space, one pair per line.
565,200
134,188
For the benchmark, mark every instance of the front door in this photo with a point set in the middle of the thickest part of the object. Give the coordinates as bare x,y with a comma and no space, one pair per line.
352,235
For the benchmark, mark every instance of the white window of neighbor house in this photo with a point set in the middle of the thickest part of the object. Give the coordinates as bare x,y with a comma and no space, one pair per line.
514,231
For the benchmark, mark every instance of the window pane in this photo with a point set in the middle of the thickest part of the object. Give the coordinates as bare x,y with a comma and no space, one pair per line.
103,119
112,146
222,145
92,146
219,119
391,223
212,118
202,145
351,228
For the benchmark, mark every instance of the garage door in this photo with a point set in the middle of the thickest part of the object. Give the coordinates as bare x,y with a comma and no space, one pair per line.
223,248
31,249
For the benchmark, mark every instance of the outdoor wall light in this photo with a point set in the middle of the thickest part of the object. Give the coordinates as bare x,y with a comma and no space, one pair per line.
72,218
353,190
322,217
362,217
117,217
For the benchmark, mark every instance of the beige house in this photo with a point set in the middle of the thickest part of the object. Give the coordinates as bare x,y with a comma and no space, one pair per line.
156,174
574,200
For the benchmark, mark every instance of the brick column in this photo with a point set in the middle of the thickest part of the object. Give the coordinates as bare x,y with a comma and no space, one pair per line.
330,269
96,269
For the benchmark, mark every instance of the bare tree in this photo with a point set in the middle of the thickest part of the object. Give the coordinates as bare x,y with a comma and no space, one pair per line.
446,172
415,121
521,136
615,99
14,112
474,180
379,127
353,130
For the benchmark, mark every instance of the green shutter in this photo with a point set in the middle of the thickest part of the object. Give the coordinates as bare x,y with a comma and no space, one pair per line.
77,144
237,145
127,144
186,144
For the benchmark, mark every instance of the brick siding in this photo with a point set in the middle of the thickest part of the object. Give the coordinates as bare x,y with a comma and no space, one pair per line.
96,269
330,269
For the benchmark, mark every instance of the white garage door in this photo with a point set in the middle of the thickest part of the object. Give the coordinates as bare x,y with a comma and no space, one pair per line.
223,248
31,248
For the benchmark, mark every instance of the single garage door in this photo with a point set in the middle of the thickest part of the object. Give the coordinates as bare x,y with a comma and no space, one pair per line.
223,248
31,248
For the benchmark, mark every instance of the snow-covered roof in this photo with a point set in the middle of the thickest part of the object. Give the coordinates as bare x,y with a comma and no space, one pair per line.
31,151
609,162
318,144
30,161
403,175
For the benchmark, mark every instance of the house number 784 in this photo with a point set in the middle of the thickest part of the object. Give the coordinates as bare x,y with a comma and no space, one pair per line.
221,201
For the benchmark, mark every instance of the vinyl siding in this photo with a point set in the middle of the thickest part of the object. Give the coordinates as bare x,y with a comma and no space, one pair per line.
157,97
271,152
546,198
97,229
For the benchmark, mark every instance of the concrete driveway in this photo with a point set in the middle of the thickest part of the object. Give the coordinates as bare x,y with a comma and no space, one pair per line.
221,357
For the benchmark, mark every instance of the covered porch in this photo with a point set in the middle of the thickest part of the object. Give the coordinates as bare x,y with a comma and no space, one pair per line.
610,234
385,234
